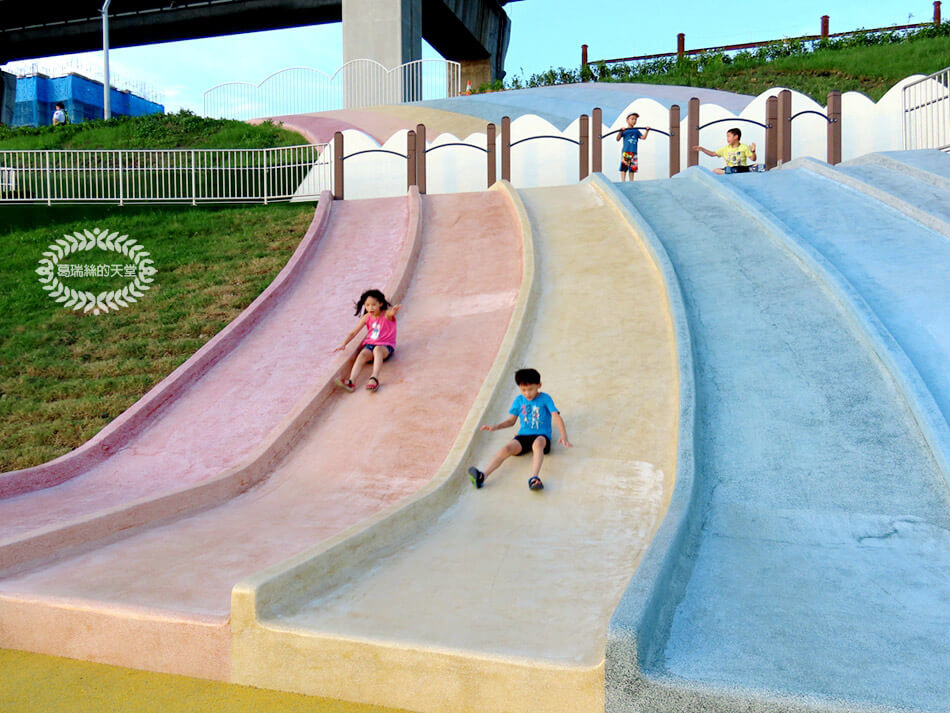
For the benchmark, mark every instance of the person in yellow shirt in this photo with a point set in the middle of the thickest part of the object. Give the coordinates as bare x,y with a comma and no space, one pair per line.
736,154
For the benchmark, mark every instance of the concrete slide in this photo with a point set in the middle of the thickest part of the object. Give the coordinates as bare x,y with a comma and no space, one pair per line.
805,564
217,421
160,598
499,598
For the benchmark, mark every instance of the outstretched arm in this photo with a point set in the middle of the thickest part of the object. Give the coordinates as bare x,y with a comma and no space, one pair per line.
705,151
559,422
357,328
507,423
392,311
646,131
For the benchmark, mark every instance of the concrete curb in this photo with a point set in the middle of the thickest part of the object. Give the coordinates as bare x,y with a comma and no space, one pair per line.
926,412
828,172
333,562
884,158
120,431
646,608
117,523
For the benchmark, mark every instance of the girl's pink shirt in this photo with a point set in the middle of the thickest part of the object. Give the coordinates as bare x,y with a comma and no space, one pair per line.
380,330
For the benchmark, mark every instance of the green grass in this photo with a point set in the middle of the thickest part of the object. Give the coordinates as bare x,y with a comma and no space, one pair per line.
156,131
65,374
871,63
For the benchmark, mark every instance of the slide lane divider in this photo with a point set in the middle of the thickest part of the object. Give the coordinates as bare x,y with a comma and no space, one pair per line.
56,541
882,343
645,611
335,561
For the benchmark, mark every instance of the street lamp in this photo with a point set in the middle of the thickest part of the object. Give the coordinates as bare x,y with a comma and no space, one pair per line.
106,89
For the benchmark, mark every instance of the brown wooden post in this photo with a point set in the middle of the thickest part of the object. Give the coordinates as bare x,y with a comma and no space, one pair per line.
411,159
937,12
771,132
506,148
421,158
583,148
824,26
583,57
692,132
680,45
674,140
834,127
338,166
596,143
490,146
784,133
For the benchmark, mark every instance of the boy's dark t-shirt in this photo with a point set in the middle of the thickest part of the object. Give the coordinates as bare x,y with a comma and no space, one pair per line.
630,139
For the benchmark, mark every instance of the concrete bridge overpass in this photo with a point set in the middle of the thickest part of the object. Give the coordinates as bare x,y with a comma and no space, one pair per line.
472,32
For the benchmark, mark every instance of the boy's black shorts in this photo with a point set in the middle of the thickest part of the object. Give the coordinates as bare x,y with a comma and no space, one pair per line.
527,441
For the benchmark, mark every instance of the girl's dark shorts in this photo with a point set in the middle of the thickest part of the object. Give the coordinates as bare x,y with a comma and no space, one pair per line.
527,441
371,347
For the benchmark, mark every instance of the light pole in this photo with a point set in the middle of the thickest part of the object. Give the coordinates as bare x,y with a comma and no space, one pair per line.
106,89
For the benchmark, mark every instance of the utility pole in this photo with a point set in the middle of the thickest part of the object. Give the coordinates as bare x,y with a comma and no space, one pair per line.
106,88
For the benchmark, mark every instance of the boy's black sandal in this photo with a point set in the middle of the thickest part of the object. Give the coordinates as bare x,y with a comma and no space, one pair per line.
534,483
476,476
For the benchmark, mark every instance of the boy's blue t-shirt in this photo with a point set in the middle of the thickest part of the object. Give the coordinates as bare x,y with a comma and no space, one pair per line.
630,139
535,415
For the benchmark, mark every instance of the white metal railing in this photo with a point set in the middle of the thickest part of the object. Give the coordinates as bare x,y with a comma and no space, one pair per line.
926,105
358,83
165,176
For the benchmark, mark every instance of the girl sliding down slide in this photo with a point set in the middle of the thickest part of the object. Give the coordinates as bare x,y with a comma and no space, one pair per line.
379,318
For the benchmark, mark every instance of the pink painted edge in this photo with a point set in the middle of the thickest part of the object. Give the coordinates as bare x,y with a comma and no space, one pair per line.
57,541
119,431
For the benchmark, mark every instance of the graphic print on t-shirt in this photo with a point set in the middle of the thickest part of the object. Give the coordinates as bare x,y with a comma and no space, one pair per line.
530,420
374,331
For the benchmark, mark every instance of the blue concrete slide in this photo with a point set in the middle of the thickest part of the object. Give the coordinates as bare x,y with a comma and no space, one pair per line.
811,566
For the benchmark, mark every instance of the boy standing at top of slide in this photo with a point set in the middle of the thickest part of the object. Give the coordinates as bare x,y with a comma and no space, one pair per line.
628,156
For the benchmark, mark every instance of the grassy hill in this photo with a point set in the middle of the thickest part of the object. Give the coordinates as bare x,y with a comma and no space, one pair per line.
870,63
155,131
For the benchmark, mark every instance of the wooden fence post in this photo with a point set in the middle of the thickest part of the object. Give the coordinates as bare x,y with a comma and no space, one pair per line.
583,148
824,27
674,140
834,127
506,148
411,159
784,133
338,166
771,132
692,133
680,45
490,146
597,145
421,158
583,57
937,13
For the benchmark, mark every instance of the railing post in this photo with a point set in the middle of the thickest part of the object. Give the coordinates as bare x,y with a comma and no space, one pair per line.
490,148
194,179
264,154
833,111
680,45
937,12
121,180
784,124
674,140
49,180
411,159
692,132
583,57
597,144
421,158
506,148
338,166
771,132
583,148
824,27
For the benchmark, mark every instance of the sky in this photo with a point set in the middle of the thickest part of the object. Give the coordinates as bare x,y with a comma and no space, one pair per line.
544,34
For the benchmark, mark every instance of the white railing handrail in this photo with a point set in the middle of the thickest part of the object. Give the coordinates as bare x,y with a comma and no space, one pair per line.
130,175
925,104
936,74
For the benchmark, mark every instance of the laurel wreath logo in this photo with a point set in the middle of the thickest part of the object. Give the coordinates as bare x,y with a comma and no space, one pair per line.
104,240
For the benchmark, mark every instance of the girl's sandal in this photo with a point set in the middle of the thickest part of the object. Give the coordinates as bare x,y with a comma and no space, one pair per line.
344,384
372,385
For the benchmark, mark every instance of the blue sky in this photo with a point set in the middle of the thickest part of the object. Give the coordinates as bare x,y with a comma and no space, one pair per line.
545,33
